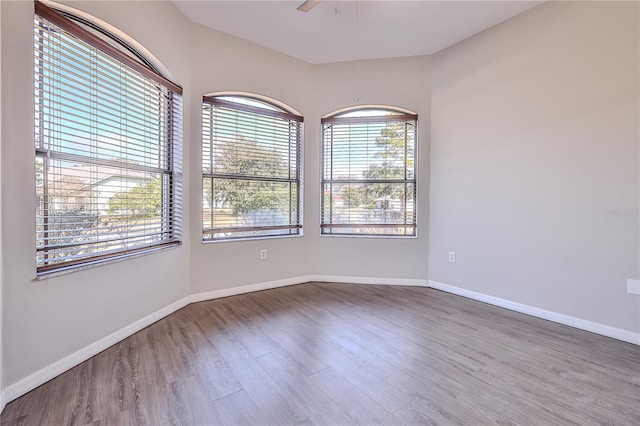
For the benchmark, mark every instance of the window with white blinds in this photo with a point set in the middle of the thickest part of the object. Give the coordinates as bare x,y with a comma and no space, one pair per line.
107,147
369,173
251,169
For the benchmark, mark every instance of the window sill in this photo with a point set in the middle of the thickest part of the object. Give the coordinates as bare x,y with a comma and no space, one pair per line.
65,270
261,238
375,237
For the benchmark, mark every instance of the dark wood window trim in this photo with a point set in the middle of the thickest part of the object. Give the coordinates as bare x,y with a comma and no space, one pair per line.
331,222
294,227
262,111
71,27
48,21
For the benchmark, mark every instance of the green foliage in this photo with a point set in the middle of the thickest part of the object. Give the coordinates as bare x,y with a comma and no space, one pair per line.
244,196
396,157
241,195
66,227
144,200
353,196
70,226
395,151
39,168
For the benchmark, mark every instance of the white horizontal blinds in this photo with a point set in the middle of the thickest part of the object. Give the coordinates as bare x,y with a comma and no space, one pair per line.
173,211
106,182
369,179
251,170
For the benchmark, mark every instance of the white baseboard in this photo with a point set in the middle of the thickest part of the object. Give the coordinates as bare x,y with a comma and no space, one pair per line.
582,324
408,282
47,373
226,292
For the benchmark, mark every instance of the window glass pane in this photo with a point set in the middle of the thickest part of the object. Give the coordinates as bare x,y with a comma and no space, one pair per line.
368,113
250,102
369,180
105,153
251,171
240,208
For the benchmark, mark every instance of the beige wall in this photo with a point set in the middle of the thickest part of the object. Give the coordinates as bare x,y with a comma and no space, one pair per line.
402,82
2,393
55,317
314,91
534,140
534,137
225,63
47,320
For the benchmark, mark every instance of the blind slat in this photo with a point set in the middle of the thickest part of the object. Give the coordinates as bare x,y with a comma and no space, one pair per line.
251,171
108,153
368,181
76,30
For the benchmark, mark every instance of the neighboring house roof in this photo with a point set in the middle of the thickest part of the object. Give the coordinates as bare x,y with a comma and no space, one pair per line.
92,175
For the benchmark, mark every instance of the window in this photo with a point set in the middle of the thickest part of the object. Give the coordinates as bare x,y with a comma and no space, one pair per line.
251,174
368,173
107,146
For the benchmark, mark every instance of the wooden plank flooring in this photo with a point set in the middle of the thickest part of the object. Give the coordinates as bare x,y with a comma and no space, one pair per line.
341,354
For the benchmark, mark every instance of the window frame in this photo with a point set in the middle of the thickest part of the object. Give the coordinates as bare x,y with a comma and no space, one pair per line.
345,116
273,109
64,22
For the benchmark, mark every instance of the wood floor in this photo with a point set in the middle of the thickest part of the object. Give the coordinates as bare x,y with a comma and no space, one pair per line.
338,354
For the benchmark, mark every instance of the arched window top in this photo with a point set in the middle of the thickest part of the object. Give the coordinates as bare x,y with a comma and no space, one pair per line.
254,102
108,39
370,111
251,167
108,145
369,183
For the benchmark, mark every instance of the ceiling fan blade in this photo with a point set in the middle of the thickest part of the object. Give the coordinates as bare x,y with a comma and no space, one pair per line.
308,5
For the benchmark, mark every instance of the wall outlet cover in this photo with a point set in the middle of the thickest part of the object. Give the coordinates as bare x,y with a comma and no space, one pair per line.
633,286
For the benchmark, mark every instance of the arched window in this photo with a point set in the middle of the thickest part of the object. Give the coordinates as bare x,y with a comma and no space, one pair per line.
369,172
251,168
107,145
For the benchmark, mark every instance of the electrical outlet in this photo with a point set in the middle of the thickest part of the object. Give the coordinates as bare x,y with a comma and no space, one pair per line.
263,254
452,256
633,286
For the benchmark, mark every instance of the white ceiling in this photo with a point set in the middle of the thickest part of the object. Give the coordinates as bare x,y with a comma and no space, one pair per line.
336,31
